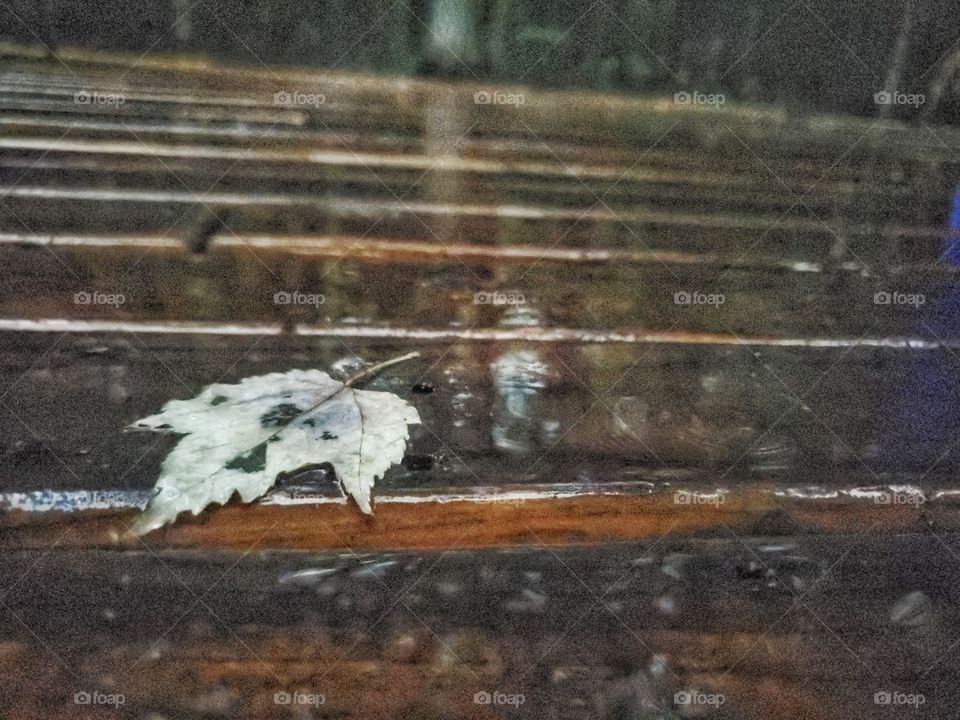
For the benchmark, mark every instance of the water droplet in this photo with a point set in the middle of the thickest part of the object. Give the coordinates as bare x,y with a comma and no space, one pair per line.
521,316
532,602
219,702
449,589
666,604
344,602
673,565
658,665
346,366
400,647
373,570
776,548
328,589
711,382
563,673
912,609
306,578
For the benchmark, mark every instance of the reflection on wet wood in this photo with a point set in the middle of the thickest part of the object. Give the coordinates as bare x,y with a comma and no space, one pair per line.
612,397
412,159
586,633
352,279
499,412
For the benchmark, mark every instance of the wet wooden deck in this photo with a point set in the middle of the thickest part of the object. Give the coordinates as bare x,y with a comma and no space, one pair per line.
613,497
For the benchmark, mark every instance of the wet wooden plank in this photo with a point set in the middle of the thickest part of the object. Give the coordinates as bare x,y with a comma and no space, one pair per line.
651,172
507,411
580,633
239,277
500,516
614,119
556,433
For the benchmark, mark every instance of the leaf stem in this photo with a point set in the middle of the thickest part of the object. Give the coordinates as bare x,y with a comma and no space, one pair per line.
374,369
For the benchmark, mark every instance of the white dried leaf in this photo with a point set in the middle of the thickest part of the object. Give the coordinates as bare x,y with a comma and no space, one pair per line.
239,438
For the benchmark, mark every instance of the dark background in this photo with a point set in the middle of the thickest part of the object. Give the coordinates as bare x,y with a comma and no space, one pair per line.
813,55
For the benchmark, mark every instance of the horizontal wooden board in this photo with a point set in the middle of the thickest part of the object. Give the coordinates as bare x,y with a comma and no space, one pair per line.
403,284
580,633
505,409
613,496
419,159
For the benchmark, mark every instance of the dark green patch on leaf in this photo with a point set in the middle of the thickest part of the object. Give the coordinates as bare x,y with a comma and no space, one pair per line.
218,399
253,460
280,415
328,436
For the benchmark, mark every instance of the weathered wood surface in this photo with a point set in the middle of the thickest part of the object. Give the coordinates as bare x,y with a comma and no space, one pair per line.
421,160
395,202
423,283
557,431
580,633
500,411
497,517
